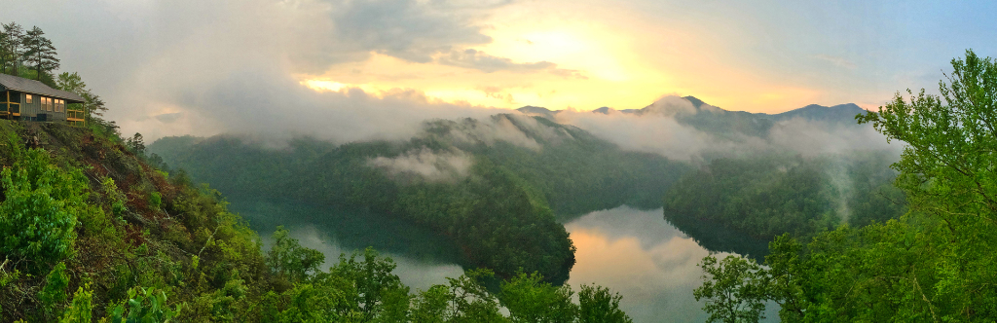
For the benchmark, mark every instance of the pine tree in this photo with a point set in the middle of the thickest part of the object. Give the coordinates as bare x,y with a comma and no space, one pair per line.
4,54
40,53
13,37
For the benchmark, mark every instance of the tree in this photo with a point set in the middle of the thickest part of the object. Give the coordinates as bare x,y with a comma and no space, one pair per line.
41,54
598,305
377,290
935,263
287,258
464,299
735,289
530,299
12,48
136,144
94,104
947,170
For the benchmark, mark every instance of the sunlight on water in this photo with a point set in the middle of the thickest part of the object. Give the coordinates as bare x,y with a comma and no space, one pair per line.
639,255
632,252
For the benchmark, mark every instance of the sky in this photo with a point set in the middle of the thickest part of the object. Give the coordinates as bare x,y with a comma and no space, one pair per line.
357,70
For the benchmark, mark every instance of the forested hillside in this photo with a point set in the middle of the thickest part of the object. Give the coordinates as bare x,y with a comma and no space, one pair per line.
934,263
91,231
768,195
495,186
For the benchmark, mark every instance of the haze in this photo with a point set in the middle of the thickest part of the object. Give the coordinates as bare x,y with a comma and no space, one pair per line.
356,70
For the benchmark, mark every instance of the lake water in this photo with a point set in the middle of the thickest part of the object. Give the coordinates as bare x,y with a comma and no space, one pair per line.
633,252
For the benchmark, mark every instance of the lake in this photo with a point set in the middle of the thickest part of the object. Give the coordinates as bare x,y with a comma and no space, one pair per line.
633,252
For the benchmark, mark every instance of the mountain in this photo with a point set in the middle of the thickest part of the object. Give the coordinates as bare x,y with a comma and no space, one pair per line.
705,117
604,110
537,111
842,113
496,187
608,110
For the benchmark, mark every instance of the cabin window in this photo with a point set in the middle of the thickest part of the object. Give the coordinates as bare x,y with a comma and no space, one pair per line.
27,98
44,103
61,107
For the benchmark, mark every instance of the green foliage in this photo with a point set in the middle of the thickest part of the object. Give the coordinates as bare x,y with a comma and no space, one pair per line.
463,299
145,305
935,263
597,305
136,144
40,54
155,200
529,299
503,211
11,48
289,259
375,288
40,212
735,289
54,292
81,309
95,106
772,194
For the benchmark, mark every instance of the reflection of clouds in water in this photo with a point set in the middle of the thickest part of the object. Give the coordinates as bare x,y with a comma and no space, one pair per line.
647,226
413,273
639,255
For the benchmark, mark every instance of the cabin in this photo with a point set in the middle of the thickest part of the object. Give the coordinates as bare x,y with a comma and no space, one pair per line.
30,100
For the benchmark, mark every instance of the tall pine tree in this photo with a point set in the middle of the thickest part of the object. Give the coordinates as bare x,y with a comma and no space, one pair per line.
40,54
12,43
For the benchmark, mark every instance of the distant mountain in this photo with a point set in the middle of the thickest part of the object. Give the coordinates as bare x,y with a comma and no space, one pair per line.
604,110
839,113
608,110
703,116
537,111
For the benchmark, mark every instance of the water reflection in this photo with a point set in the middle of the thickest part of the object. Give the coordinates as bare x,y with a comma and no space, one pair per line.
644,258
633,252
423,258
639,255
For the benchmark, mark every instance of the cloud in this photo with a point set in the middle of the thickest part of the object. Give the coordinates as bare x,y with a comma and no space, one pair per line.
497,93
478,60
658,130
447,166
232,65
470,58
814,138
407,29
653,133
488,131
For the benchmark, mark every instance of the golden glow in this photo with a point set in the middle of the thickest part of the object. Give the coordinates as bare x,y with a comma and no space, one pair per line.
642,272
319,85
603,58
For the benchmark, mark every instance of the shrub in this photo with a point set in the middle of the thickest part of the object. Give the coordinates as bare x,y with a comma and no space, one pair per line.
40,212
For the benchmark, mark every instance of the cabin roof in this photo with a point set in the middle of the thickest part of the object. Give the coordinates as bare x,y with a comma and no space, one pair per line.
20,84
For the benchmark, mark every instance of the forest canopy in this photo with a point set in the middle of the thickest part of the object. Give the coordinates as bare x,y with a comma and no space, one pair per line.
934,263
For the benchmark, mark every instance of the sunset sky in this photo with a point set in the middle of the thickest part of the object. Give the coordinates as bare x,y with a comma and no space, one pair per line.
163,66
